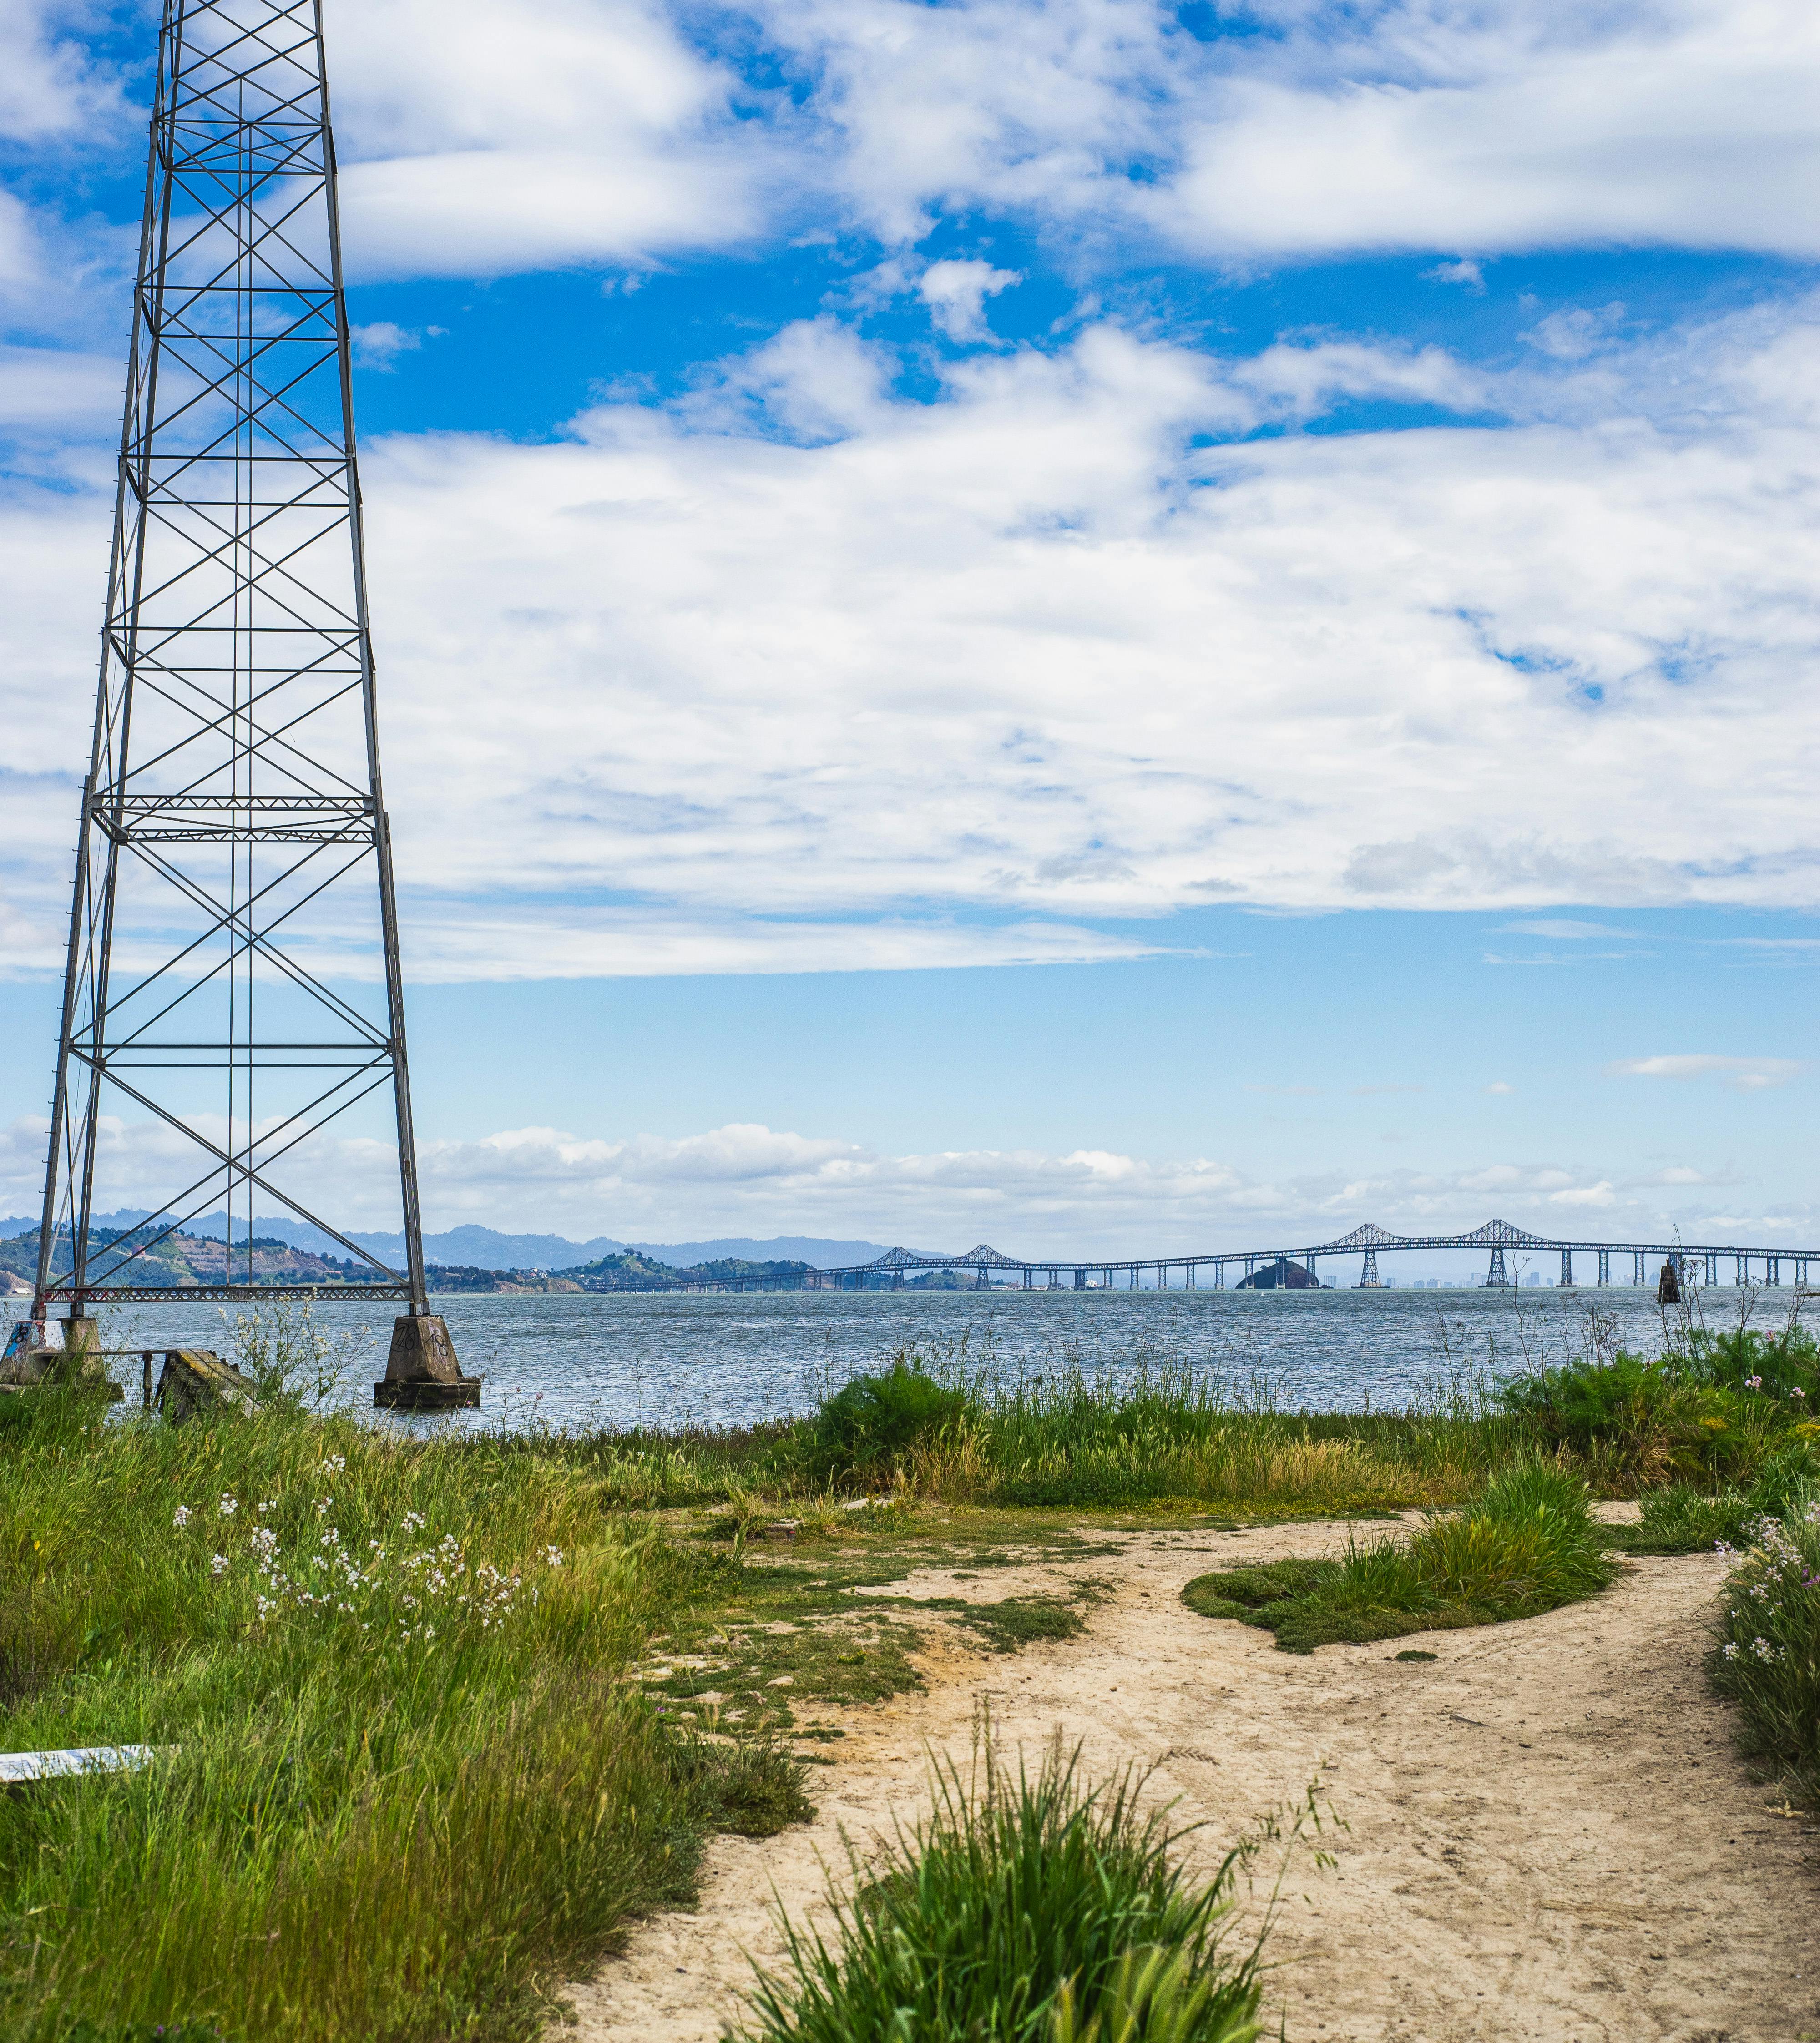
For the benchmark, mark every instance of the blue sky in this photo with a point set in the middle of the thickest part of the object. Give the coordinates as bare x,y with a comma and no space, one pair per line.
1100,625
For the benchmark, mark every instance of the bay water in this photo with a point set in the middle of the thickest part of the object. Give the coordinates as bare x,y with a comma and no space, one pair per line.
670,1360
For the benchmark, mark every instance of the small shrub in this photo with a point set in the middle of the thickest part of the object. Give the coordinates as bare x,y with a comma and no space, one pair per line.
1035,1911
1637,1423
871,1420
1768,1657
1782,1368
1527,1543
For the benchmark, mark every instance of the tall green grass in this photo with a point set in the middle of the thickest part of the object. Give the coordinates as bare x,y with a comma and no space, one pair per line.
399,1780
1525,1544
1037,1909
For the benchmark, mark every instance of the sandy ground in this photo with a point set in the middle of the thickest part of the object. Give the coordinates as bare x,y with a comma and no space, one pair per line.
1547,1838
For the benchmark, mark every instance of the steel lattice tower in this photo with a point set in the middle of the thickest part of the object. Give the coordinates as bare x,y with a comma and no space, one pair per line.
234,858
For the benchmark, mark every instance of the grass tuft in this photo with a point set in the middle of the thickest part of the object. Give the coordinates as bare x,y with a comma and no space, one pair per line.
1527,1543
1021,1910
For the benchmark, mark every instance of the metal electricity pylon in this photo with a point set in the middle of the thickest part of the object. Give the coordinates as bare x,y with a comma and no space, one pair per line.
233,974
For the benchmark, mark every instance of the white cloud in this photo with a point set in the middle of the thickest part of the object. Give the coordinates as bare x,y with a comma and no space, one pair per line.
749,1179
1572,335
1563,930
48,86
1469,274
956,292
481,138
477,139
797,651
1501,1088
1747,1074
1505,125
379,345
485,139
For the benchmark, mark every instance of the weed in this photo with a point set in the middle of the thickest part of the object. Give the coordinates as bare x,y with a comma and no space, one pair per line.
1021,1909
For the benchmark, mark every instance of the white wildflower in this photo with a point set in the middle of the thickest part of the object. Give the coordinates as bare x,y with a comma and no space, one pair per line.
219,1564
181,1517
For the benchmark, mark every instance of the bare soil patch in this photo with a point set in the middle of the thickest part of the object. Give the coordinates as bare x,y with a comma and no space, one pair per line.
1547,1837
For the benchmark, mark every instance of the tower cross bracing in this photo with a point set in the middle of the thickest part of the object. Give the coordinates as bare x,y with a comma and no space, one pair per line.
233,974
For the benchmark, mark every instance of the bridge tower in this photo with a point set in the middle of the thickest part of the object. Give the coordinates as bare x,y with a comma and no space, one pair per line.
1368,1278
1497,1278
233,970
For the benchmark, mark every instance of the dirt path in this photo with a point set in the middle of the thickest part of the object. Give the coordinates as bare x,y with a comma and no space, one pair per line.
1547,1840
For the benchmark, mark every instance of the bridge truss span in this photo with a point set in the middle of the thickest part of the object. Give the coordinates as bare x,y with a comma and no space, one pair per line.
1699,1263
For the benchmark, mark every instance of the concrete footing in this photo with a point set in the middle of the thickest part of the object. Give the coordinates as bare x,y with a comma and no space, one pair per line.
422,1372
29,1360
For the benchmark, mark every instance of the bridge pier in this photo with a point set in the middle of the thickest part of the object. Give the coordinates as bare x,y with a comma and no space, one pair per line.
1773,1270
1604,1266
1567,1266
1742,1276
1497,1278
1368,1278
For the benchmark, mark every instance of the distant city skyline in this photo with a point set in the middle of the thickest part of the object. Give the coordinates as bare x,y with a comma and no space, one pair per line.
1122,628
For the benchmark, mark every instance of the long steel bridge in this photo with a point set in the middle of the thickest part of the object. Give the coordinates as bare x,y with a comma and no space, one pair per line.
1696,1263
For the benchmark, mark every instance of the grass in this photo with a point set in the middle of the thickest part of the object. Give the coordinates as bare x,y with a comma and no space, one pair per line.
1018,1621
930,1426
401,1780
441,1715
1767,1660
1021,1910
1525,1544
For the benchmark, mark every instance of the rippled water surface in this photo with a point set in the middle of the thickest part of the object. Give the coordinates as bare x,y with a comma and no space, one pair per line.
586,1360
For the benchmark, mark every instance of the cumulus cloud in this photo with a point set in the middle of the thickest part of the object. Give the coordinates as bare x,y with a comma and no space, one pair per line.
479,139
1747,1074
956,292
749,1179
379,345
483,139
797,649
48,84
1471,275
1501,126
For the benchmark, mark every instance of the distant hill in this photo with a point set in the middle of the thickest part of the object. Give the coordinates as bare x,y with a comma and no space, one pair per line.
179,1260
630,1271
476,1247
